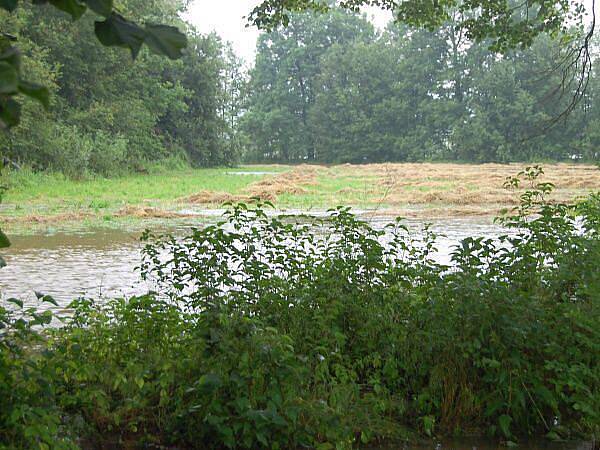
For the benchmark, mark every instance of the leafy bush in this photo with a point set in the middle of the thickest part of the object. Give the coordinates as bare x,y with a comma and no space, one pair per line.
143,371
291,331
29,417
502,341
109,155
76,153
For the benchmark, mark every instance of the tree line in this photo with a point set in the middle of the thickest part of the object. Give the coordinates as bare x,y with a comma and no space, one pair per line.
332,89
110,114
327,88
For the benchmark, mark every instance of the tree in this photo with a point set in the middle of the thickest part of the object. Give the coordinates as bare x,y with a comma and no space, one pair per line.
111,114
503,25
282,83
410,94
202,128
234,88
511,104
111,30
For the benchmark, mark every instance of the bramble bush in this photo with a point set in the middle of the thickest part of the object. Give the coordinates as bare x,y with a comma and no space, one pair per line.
282,332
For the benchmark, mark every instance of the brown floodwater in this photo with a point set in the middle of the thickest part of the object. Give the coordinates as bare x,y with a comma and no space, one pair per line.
101,262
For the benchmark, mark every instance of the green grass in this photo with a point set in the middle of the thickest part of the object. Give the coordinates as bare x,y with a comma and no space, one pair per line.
27,188
93,202
52,193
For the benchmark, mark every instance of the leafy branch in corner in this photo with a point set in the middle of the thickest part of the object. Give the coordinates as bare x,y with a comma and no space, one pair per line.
113,30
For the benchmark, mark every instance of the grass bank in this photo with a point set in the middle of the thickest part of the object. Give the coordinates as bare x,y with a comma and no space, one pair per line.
413,190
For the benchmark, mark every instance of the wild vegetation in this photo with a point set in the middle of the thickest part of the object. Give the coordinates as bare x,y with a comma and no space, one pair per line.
263,332
301,331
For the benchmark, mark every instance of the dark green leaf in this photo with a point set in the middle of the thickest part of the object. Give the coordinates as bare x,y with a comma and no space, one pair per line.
209,383
9,5
15,301
4,241
39,295
9,78
11,56
165,40
504,421
102,7
35,91
2,262
7,36
553,436
118,31
10,113
42,319
49,299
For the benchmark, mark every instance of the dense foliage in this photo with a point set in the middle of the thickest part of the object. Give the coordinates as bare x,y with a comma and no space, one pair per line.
329,88
110,114
266,332
506,24
112,29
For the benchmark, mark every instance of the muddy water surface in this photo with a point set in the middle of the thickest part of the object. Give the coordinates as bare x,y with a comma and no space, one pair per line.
101,263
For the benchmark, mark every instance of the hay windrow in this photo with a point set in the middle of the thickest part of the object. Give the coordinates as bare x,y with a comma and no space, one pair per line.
46,219
205,197
270,188
465,189
480,186
291,182
146,212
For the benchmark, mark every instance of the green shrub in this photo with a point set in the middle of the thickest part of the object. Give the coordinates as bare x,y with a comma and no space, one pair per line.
29,416
287,332
501,342
143,371
109,155
75,153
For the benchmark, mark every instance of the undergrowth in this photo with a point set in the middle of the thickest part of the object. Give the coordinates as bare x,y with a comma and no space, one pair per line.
289,332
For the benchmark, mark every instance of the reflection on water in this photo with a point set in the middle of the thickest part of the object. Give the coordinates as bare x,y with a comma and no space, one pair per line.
101,263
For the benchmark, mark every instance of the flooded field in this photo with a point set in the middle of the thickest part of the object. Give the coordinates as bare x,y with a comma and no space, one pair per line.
102,262
416,190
